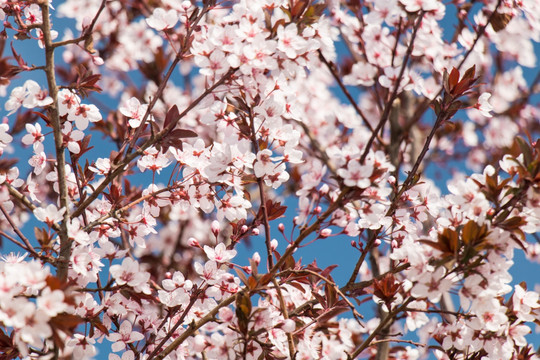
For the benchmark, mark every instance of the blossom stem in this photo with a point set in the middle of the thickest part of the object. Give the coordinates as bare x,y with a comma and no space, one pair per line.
15,228
87,32
393,96
65,243
384,322
285,312
332,70
193,327
262,195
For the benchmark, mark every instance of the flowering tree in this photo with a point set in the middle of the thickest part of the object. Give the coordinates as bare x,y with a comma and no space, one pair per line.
216,119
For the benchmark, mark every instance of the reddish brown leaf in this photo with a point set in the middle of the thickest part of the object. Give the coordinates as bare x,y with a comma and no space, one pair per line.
172,116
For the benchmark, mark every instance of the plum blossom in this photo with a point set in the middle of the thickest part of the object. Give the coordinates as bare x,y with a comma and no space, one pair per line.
431,285
5,138
134,111
220,253
128,273
30,95
148,262
51,302
128,355
524,302
124,336
32,15
39,160
356,174
72,137
67,102
34,134
264,164
153,160
162,20
483,105
490,314
176,290
416,5
362,73
82,347
82,114
289,41
50,214
102,166
232,207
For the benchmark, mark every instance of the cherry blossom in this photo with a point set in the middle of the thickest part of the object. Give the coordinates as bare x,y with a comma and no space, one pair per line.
376,129
356,174
162,20
34,134
134,111
219,253
50,215
124,336
483,105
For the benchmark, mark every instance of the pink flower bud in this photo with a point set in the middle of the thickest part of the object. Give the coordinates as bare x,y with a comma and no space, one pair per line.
226,314
255,232
317,210
273,244
193,242
215,228
325,233
377,242
186,5
288,325
97,60
281,227
353,243
247,269
324,189
256,258
244,228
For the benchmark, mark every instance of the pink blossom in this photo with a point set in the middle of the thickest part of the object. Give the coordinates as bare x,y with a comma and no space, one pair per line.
431,285
102,166
220,253
82,114
34,134
128,273
50,214
72,137
289,41
124,336
162,20
51,302
356,174
134,111
483,105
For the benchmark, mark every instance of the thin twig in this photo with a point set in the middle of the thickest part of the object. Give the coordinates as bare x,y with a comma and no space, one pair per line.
345,91
393,96
262,195
194,326
15,228
382,324
284,311
65,243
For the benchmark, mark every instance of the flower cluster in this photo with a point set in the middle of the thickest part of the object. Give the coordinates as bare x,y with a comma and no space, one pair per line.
175,135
